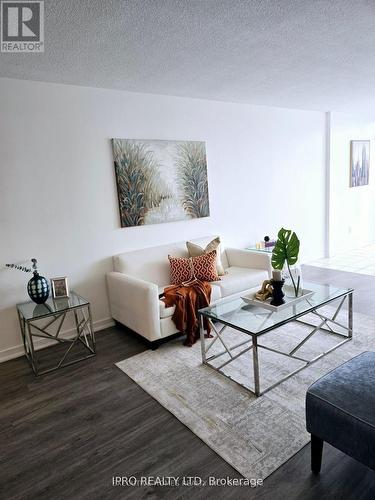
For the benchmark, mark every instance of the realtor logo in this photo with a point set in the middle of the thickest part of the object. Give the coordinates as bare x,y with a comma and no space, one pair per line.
22,26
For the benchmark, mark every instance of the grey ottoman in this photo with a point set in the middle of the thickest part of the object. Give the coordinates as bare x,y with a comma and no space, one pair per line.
340,409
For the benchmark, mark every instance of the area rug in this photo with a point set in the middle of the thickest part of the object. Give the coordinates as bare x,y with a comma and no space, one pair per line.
254,435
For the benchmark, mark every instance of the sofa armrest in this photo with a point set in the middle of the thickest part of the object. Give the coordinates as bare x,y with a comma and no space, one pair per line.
134,303
249,258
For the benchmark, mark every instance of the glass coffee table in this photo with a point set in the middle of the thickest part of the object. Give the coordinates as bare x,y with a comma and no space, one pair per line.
256,321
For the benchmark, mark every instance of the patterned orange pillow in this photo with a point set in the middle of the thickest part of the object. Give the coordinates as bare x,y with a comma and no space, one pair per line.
205,267
181,269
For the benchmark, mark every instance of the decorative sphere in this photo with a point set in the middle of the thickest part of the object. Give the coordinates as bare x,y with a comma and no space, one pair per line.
38,289
266,239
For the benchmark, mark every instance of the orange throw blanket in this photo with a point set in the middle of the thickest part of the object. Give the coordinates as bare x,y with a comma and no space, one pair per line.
188,298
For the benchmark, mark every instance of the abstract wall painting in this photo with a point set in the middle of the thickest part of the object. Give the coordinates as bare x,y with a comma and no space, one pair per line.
359,163
160,181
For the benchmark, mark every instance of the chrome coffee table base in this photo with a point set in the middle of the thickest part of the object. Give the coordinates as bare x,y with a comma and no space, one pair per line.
252,344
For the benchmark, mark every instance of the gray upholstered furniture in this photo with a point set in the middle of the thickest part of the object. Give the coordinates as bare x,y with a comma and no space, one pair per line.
340,409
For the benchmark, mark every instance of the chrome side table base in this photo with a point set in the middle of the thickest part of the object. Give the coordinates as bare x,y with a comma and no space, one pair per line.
253,345
51,330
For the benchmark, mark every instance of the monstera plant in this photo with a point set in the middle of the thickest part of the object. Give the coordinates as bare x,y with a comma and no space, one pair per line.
286,252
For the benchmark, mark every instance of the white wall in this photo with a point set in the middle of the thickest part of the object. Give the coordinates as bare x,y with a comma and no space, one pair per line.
352,210
58,199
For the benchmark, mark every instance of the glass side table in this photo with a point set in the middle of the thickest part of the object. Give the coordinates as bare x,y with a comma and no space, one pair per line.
46,321
265,249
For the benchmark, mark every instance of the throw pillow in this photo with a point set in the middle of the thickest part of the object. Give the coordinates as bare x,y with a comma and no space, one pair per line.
181,269
196,250
205,267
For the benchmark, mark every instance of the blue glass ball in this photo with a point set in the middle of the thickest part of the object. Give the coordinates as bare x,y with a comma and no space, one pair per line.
38,289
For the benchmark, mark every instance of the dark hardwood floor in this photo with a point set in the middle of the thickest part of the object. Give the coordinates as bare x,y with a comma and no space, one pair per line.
66,434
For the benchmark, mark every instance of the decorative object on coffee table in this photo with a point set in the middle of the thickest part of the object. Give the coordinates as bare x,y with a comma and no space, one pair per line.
37,287
290,299
295,276
60,287
32,322
286,252
277,293
277,288
265,292
276,275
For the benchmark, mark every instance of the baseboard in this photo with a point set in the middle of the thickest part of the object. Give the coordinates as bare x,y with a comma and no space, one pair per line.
17,351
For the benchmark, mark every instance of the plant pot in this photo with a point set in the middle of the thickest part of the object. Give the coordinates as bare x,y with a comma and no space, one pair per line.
38,289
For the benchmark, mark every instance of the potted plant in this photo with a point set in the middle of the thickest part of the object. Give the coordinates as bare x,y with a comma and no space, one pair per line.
286,253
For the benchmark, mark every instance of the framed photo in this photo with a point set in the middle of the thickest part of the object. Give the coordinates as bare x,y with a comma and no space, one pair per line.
59,287
359,163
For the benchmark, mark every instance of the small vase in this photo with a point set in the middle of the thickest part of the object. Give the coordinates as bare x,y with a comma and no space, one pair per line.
296,273
38,289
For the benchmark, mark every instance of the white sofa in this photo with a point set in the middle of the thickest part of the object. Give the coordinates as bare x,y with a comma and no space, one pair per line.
140,276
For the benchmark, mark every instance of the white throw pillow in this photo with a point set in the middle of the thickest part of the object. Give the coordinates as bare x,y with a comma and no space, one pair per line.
196,250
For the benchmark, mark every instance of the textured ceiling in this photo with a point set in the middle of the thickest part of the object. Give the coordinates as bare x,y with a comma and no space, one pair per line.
310,54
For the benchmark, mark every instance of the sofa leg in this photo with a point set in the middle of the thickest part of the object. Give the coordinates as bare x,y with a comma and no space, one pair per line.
154,344
316,453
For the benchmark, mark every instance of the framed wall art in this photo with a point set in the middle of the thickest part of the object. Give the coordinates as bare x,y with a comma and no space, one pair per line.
160,181
359,163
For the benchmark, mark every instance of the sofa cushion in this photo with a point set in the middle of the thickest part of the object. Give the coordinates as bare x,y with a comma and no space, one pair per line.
181,269
205,267
166,312
240,278
196,250
202,267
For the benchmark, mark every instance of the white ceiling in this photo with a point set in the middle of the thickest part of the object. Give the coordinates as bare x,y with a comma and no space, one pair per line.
310,54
